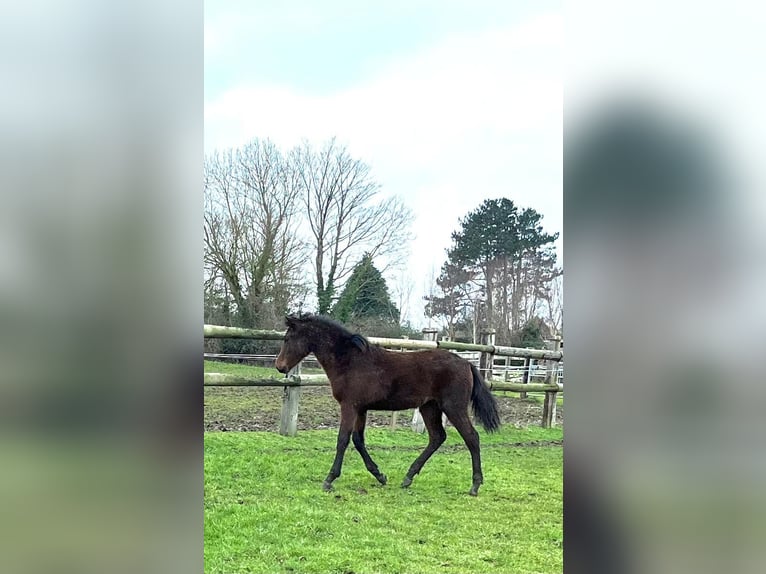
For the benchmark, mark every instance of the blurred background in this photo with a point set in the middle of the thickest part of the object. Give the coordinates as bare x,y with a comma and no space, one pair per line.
663,219
100,295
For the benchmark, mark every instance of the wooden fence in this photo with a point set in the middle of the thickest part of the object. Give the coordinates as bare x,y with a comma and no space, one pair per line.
488,350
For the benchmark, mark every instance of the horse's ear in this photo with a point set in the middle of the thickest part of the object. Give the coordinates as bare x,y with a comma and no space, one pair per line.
359,342
290,322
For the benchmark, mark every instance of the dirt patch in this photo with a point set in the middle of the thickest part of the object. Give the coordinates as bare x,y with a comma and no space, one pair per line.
258,409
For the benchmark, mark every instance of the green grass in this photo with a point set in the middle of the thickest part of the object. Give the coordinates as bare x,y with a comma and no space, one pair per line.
265,510
242,370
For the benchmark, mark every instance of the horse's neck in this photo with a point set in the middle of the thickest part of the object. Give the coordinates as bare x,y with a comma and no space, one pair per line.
326,355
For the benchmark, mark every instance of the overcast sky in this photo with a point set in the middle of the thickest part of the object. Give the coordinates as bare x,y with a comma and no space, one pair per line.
450,103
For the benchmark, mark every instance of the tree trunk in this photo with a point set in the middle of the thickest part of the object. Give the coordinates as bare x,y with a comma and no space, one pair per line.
518,287
488,271
505,330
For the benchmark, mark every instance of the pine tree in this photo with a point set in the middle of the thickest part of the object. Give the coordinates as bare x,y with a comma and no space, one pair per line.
507,248
365,299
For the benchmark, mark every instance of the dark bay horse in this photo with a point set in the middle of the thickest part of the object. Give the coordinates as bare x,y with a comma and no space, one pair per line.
364,377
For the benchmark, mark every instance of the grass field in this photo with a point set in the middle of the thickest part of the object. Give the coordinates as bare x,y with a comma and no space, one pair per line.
265,510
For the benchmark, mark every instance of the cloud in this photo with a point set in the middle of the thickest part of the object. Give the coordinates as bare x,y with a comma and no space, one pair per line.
472,117
500,81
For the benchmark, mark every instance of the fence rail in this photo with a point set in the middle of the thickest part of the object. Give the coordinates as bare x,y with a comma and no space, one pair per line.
227,380
218,332
500,368
487,351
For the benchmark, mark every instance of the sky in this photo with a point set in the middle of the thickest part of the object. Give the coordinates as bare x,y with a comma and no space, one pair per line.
450,103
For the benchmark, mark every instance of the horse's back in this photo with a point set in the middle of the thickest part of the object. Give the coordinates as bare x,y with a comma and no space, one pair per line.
408,380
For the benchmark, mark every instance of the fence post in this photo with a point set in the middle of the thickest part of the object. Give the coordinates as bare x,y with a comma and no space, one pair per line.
288,419
525,376
429,334
487,360
549,403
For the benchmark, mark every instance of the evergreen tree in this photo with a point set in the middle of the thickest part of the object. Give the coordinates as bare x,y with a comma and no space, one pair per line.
365,300
532,334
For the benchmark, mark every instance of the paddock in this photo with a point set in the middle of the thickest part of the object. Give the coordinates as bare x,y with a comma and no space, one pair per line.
265,510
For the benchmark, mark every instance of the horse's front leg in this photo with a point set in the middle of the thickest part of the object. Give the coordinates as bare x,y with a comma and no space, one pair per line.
347,419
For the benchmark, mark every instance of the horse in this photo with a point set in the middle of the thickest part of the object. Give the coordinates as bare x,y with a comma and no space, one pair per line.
364,377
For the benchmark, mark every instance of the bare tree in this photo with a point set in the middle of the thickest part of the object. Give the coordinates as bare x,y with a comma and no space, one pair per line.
453,298
523,282
249,228
403,286
429,288
554,304
346,215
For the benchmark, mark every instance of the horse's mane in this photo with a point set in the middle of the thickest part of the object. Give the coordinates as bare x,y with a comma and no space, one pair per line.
355,339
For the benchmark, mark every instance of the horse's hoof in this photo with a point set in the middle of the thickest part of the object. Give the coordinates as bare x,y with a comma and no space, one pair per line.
477,482
406,482
327,486
382,479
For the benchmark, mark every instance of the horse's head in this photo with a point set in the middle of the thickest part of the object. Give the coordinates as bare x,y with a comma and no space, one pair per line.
296,345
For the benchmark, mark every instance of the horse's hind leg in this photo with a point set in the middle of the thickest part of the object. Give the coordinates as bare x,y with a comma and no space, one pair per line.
432,417
358,437
463,424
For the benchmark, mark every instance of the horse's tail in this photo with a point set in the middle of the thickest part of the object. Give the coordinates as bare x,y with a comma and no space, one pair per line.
484,404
